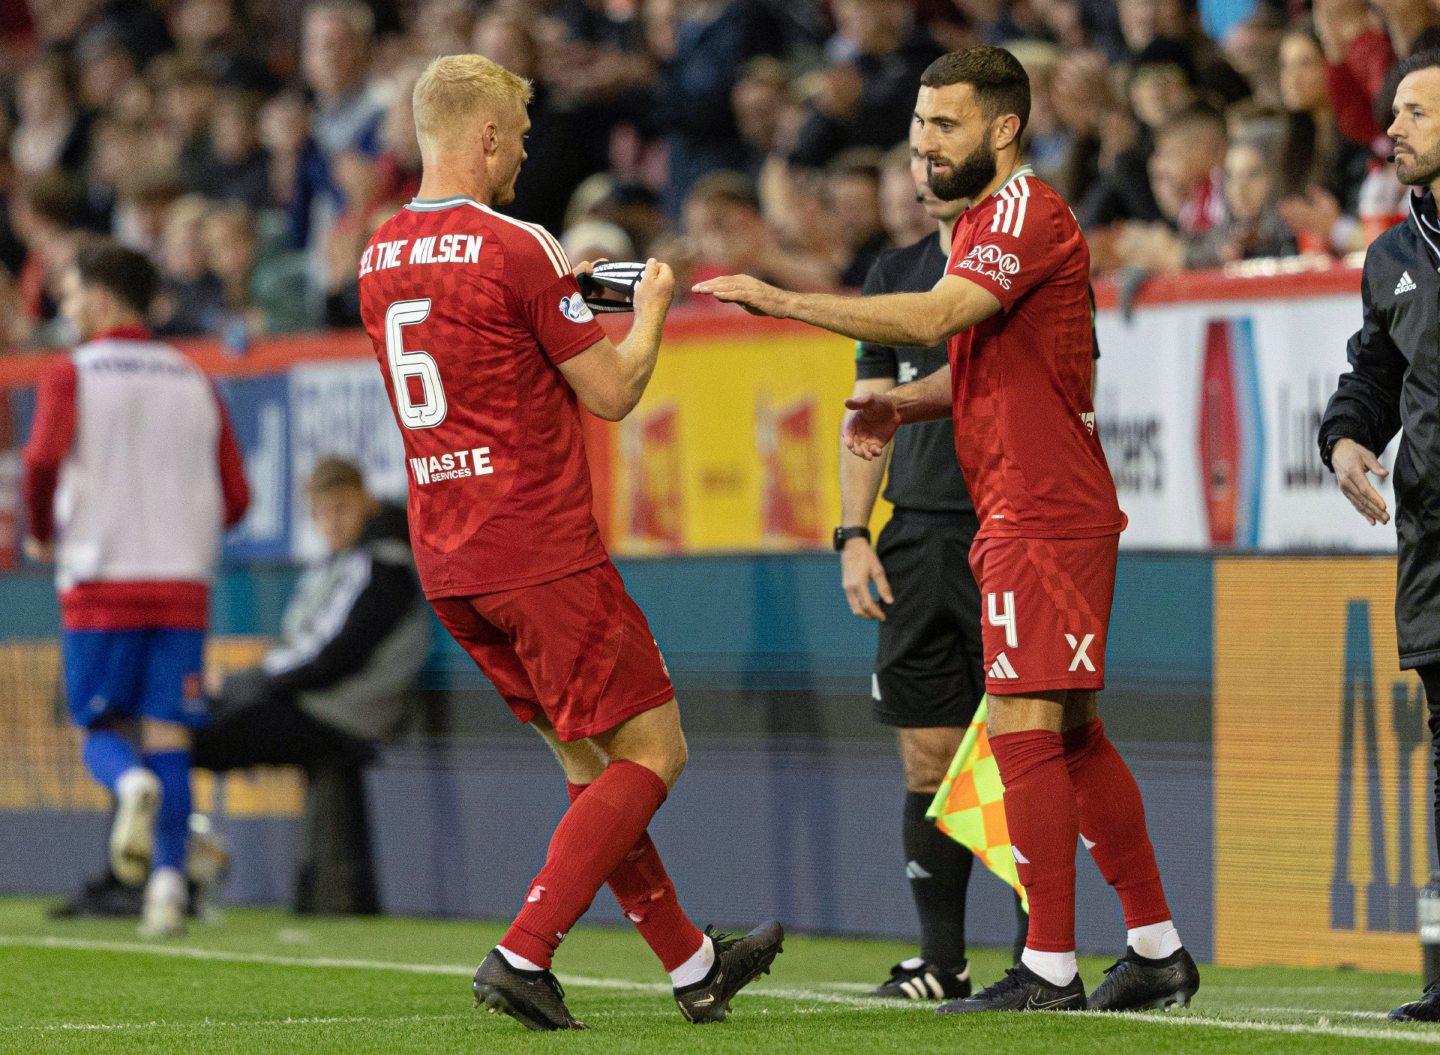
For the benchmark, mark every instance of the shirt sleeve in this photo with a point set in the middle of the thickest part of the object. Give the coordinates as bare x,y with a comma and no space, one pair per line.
50,439
1026,240
545,294
872,360
1366,404
233,486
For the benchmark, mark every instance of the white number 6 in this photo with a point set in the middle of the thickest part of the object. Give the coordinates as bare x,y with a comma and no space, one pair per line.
404,365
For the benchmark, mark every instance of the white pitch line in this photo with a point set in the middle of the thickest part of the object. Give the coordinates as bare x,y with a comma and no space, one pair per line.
800,995
1352,1032
216,1023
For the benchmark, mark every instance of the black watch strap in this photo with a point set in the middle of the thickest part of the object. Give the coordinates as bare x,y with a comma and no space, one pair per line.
845,534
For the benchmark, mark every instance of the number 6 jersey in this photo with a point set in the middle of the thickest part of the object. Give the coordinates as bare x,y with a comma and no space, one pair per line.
470,314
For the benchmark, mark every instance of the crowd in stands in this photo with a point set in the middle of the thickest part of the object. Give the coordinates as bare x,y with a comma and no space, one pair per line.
251,146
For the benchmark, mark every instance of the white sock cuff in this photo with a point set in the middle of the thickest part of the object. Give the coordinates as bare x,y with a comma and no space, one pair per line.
697,967
1057,968
1155,941
515,960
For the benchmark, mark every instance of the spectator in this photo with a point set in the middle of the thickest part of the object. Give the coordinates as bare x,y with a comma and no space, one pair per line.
1323,171
561,149
51,133
191,297
1190,151
852,192
597,240
335,57
866,98
1254,227
45,214
355,634
145,197
1162,83
759,100
723,217
1144,21
1357,56
713,42
1252,47
106,66
233,166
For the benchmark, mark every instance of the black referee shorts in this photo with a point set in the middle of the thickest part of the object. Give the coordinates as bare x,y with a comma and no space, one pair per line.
929,668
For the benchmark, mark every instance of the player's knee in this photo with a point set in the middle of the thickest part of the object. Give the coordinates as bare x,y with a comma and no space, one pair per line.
666,760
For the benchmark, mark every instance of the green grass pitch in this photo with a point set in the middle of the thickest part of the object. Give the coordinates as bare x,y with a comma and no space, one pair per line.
261,981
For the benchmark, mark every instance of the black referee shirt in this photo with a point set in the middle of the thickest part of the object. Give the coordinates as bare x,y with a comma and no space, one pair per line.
923,472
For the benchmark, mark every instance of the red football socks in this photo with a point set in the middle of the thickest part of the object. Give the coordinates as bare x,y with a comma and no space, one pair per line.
1040,813
647,897
1112,822
593,838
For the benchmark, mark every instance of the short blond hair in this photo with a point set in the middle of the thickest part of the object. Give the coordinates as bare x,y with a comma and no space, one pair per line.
457,90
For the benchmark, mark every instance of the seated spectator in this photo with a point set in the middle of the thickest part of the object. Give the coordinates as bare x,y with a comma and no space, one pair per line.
1162,84
145,196
1254,228
354,637
232,165
1190,149
191,298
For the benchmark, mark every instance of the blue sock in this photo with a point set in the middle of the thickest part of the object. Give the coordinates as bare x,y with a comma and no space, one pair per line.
172,824
107,755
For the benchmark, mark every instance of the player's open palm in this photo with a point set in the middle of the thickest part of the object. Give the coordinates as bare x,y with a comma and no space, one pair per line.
756,297
870,422
656,288
859,567
1353,464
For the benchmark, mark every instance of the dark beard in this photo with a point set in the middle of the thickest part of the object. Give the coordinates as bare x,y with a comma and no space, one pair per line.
966,179
1423,168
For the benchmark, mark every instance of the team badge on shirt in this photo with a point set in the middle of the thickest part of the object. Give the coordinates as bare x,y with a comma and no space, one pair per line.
575,309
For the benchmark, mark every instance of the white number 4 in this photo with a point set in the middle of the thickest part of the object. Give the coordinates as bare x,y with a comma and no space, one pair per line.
430,410
1004,618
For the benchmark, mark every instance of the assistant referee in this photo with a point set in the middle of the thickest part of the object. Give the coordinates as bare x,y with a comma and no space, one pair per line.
929,675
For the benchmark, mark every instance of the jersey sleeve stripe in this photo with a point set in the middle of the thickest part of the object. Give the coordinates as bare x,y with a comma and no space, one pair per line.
1020,202
553,253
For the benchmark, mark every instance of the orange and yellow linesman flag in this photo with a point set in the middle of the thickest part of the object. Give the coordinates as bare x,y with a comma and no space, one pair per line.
970,805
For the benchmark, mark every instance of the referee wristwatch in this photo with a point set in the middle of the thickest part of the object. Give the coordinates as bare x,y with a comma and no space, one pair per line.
845,534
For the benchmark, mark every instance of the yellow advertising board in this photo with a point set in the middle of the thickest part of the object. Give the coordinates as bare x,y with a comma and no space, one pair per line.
735,445
1322,786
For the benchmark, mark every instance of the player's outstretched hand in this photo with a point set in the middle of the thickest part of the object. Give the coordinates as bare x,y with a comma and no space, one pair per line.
1351,463
656,288
756,297
870,421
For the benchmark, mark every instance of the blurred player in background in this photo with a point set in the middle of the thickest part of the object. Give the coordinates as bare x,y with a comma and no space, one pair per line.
929,676
487,348
131,474
1015,306
1390,386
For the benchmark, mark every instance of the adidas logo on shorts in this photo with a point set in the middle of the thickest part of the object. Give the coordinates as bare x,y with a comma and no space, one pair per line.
1001,669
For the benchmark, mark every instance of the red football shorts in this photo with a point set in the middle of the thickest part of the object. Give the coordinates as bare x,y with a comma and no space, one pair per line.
577,650
1044,611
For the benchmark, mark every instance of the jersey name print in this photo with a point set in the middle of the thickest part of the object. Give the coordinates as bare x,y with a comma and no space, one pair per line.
471,314
1024,422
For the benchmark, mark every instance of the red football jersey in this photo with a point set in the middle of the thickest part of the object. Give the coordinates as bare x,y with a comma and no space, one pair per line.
1024,421
470,313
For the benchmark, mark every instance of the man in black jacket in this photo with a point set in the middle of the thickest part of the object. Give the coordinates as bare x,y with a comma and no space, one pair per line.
1394,382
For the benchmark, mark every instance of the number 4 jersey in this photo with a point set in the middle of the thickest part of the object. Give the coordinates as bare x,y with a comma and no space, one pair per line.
470,314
